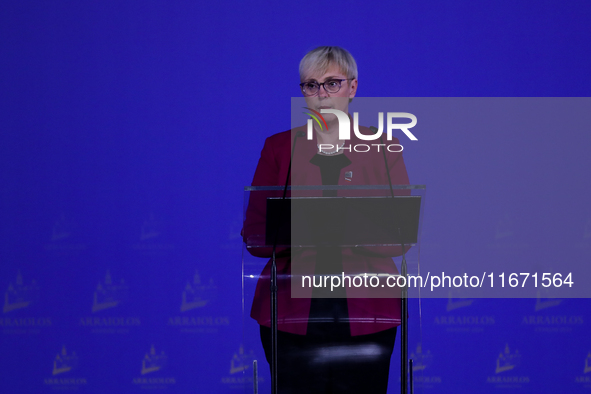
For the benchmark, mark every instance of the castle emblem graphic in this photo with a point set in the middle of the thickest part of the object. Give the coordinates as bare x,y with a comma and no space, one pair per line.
62,228
504,227
455,303
196,294
507,360
18,295
241,361
109,294
64,362
153,362
420,359
543,303
149,228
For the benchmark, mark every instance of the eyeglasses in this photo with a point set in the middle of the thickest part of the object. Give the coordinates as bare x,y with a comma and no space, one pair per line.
330,86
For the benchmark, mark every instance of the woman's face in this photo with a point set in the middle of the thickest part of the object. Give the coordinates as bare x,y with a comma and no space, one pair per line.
325,100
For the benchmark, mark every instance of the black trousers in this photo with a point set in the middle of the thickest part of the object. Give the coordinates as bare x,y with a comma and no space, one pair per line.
332,363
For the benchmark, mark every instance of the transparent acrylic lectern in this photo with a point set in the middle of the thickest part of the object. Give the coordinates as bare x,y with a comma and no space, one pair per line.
365,227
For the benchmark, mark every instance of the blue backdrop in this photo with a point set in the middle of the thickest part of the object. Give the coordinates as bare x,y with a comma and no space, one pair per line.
130,128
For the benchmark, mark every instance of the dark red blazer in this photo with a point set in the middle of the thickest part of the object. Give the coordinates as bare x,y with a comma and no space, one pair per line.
367,315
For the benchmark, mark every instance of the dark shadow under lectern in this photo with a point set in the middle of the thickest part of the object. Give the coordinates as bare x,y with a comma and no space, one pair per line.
360,216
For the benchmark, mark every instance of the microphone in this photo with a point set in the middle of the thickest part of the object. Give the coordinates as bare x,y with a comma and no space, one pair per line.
295,139
375,130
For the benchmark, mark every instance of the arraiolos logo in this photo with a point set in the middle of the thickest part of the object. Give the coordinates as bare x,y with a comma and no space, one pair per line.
345,129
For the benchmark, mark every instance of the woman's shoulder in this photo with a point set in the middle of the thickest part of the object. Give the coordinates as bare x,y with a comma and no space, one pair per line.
285,137
279,138
283,140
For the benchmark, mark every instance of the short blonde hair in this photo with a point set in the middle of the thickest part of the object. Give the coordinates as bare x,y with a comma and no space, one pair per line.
321,58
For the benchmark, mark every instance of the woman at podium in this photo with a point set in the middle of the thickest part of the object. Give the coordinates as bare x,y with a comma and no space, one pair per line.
341,344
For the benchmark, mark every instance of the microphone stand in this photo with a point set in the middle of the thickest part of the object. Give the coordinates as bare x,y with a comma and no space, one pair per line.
404,325
403,296
274,317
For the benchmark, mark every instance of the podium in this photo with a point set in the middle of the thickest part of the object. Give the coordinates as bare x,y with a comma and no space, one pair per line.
366,227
